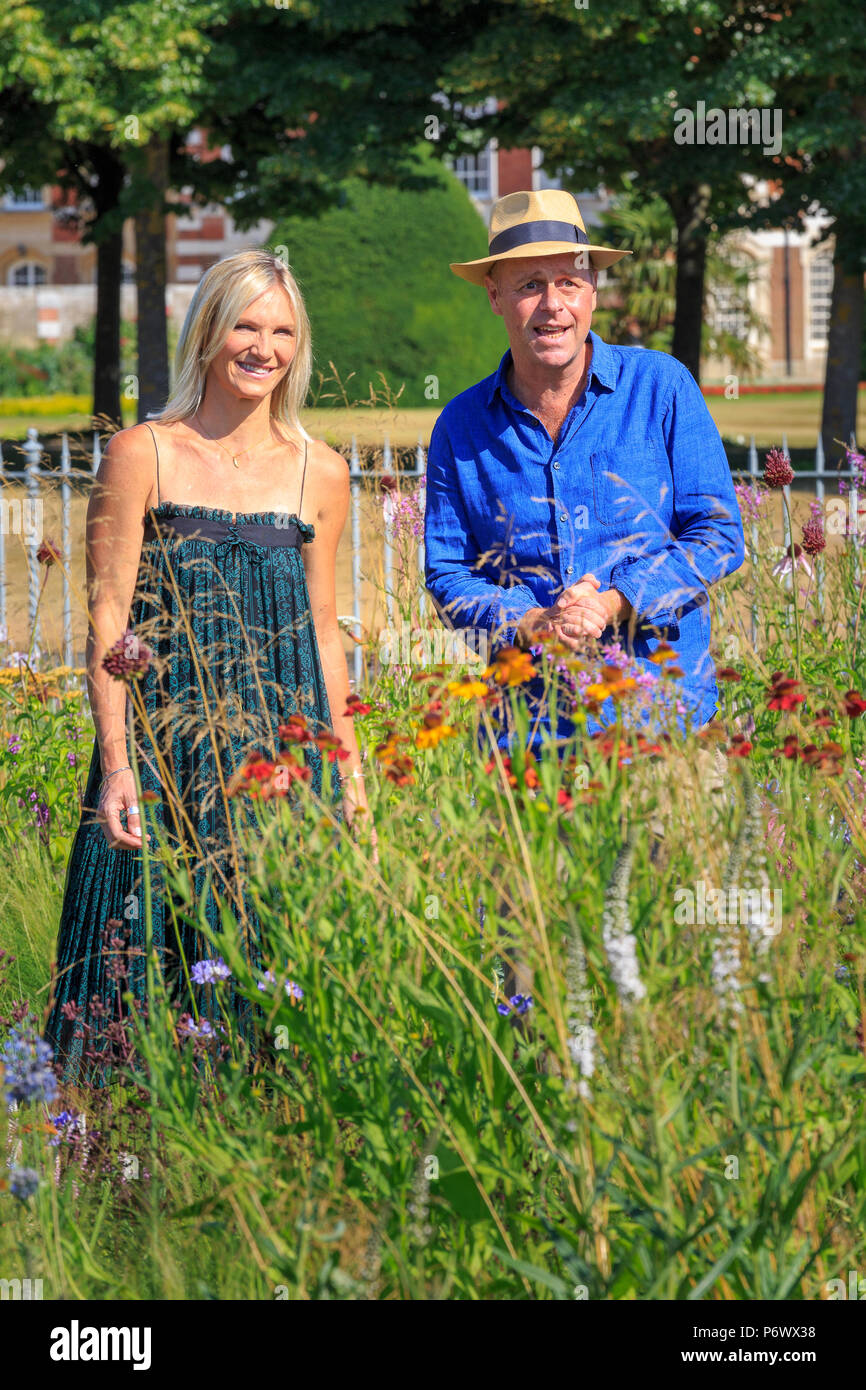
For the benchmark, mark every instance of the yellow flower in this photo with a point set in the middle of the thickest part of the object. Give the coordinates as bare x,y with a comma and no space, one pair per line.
468,689
429,737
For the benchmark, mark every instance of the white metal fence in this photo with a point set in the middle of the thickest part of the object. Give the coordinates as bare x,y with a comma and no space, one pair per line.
36,478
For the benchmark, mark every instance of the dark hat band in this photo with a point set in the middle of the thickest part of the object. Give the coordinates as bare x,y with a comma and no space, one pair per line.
536,231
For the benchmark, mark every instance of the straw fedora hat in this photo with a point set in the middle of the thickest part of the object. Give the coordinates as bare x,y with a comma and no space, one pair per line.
546,223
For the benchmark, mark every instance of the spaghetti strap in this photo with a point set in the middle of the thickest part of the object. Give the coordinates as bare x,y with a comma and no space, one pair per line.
303,476
153,437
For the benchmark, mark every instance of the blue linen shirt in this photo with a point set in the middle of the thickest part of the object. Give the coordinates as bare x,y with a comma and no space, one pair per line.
637,491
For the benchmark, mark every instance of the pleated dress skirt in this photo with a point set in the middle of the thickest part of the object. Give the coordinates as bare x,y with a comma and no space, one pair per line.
222,604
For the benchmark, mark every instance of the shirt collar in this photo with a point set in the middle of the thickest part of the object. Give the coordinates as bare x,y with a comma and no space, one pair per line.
603,368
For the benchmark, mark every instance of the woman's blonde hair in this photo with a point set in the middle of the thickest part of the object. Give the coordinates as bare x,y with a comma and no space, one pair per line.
221,296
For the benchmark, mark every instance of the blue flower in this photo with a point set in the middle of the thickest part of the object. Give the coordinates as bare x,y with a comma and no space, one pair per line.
293,990
23,1182
27,1062
520,1003
206,971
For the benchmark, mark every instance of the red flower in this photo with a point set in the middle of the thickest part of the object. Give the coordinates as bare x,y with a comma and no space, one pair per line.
826,759
824,719
740,747
790,749
777,469
354,705
329,743
855,705
565,800
783,693
727,673
48,552
295,730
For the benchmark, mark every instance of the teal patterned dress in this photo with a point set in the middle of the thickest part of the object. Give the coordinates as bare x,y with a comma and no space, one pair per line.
222,602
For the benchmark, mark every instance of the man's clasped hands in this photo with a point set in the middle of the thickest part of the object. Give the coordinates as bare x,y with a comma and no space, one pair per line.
581,611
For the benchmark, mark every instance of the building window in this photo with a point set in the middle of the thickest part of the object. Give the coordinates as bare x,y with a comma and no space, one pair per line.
27,199
473,171
28,273
820,293
729,315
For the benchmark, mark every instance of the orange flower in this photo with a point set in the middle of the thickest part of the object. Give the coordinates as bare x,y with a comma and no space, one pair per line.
612,683
511,666
663,652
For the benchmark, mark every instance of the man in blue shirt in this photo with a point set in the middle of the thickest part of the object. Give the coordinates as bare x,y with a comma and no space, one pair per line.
582,488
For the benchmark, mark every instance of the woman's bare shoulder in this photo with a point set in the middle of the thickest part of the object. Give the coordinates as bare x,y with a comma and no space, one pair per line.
330,465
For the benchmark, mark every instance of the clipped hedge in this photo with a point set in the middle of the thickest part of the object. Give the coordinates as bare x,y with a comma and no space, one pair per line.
381,296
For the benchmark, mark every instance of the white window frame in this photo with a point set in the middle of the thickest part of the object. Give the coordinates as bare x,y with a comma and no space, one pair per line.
30,284
823,258
31,200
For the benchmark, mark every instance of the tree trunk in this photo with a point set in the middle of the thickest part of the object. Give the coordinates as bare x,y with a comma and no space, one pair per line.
839,417
691,212
105,192
150,275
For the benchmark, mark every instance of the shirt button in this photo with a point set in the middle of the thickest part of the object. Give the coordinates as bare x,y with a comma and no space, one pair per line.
556,463
563,516
569,569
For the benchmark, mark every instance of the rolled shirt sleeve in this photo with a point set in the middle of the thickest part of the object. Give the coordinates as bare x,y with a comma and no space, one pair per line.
463,596
707,532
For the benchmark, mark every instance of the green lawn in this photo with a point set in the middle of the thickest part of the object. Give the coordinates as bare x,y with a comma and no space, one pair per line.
767,417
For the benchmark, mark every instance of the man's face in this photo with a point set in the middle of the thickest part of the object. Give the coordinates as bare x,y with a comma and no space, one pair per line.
547,306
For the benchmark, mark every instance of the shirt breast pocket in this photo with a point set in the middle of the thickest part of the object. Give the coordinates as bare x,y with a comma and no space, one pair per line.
628,490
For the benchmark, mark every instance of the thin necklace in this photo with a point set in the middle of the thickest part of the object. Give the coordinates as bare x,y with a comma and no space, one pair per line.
234,457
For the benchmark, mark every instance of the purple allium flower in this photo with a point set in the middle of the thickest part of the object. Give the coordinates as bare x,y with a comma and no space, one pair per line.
13,744
293,990
23,1182
27,1062
813,531
777,469
71,759
270,978
128,657
188,1028
204,972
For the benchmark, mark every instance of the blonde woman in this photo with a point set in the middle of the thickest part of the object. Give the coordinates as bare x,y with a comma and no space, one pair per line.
211,549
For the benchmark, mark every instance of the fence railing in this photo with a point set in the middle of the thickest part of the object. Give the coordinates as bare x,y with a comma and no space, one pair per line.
36,476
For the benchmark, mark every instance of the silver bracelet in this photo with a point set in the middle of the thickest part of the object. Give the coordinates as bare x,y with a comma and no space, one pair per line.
114,773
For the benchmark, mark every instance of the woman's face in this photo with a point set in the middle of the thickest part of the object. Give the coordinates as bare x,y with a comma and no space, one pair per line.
259,348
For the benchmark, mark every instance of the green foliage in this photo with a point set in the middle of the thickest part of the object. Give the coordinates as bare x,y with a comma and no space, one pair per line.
381,298
643,285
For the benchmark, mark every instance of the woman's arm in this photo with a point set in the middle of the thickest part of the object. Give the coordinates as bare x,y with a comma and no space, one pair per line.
113,547
320,562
